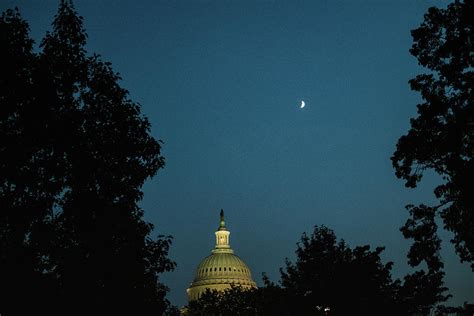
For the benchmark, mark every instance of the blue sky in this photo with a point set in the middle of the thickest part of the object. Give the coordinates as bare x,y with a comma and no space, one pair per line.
221,82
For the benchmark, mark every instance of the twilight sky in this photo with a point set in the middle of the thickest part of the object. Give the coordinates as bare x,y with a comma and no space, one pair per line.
221,83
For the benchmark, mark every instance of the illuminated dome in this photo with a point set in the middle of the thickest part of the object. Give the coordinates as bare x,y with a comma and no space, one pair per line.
221,269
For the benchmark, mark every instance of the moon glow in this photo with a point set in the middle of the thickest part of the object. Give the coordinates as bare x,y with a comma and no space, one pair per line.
302,104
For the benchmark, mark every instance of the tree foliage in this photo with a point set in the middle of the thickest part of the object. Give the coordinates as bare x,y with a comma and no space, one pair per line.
329,274
238,301
424,289
74,154
231,302
441,137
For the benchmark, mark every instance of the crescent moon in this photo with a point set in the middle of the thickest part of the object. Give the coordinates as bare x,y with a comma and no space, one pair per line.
302,104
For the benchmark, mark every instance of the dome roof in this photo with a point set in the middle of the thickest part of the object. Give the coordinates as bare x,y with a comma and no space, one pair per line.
221,269
224,268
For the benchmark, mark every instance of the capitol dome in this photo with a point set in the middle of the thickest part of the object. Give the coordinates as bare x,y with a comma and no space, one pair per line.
221,269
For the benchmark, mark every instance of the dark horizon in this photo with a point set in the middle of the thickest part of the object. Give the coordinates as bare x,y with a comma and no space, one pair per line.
221,84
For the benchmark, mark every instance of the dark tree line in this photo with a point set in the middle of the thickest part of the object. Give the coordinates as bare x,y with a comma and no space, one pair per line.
74,153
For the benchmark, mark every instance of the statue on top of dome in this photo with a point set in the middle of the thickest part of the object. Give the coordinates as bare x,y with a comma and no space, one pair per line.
222,222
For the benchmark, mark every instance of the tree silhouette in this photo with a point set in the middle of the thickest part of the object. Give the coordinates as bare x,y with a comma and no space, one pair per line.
27,174
441,138
231,302
238,301
330,276
75,152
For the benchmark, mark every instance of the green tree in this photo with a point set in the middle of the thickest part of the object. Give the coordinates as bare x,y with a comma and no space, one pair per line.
441,138
74,154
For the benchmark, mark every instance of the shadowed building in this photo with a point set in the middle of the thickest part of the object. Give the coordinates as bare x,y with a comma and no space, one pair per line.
221,269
